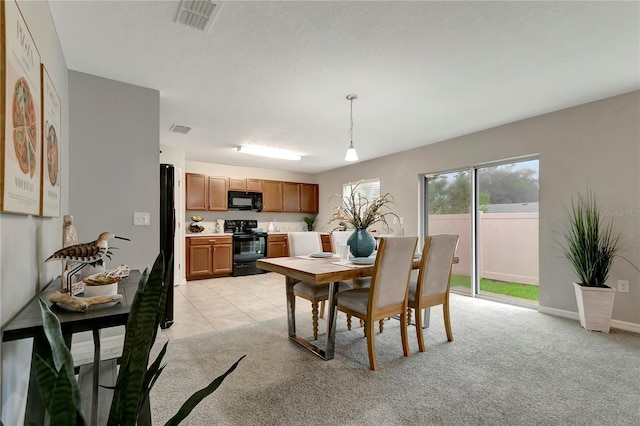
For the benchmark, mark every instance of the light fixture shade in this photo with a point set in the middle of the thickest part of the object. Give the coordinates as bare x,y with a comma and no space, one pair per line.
352,155
268,152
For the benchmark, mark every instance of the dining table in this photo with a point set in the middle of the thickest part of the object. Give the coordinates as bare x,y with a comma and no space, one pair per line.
319,271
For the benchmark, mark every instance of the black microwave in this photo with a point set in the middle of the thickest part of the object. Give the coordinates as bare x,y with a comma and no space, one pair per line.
245,201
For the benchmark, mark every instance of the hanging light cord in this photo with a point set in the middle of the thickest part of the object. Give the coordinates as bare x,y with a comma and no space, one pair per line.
351,128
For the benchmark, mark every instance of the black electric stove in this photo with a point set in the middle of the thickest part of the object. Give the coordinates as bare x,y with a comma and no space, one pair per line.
248,246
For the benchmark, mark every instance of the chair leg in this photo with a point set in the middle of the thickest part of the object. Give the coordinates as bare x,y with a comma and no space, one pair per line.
371,348
314,316
447,320
419,333
381,322
361,323
404,333
322,309
349,322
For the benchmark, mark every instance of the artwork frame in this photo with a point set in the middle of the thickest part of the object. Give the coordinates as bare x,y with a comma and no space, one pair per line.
20,110
51,147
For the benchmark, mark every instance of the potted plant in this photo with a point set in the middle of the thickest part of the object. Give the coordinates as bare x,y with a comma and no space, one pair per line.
361,213
591,246
310,221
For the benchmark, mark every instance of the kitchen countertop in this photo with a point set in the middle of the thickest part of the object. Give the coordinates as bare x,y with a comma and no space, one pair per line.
210,234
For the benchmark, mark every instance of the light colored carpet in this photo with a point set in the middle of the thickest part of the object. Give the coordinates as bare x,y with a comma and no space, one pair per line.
506,366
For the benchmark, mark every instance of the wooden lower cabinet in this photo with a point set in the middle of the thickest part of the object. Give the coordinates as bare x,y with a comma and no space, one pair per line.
277,246
326,242
209,257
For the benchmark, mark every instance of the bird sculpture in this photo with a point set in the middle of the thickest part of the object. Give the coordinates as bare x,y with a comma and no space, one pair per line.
84,254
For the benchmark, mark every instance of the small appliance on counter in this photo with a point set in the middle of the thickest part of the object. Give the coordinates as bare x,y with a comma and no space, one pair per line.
249,245
220,226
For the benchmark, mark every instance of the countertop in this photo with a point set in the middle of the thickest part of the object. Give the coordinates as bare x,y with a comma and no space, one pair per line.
229,234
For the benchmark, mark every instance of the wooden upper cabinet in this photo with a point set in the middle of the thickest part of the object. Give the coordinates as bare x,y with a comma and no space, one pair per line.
290,197
218,187
271,196
196,191
308,198
248,184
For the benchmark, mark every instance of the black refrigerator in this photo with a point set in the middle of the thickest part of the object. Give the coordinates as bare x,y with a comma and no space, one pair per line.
167,233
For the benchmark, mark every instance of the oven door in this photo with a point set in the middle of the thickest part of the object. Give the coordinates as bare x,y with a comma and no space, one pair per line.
247,248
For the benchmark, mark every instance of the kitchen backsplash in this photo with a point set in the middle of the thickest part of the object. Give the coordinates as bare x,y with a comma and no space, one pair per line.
211,227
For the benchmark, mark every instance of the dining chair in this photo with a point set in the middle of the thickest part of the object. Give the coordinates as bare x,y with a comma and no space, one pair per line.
387,294
301,244
431,288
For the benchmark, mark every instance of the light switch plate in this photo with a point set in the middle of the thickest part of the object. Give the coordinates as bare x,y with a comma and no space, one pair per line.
623,286
141,219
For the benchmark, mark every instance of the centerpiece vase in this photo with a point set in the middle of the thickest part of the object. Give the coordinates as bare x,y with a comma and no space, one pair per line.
361,243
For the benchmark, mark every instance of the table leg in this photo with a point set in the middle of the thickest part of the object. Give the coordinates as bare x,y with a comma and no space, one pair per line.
426,317
327,352
291,306
96,378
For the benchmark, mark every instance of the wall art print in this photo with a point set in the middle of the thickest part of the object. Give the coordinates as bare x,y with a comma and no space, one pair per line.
51,139
21,144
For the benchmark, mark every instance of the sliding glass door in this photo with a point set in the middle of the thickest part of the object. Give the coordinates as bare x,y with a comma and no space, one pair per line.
494,210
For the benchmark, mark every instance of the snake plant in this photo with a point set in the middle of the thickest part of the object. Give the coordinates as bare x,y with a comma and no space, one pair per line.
54,365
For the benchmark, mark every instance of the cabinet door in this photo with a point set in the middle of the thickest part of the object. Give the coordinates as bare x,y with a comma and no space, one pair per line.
218,187
290,197
222,258
254,185
271,196
236,184
277,249
326,242
308,198
196,191
200,261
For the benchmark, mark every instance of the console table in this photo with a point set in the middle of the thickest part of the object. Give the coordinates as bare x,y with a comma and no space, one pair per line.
28,324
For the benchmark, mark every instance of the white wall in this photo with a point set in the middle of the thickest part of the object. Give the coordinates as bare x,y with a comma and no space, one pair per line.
115,153
26,241
595,145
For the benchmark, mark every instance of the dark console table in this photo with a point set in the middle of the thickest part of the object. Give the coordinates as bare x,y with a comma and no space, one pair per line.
28,324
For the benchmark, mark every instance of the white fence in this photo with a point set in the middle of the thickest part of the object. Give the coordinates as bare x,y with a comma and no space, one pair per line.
508,244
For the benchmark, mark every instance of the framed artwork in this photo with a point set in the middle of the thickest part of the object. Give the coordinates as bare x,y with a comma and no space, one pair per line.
51,140
21,166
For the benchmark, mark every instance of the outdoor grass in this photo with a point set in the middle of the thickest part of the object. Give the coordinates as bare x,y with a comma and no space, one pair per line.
523,291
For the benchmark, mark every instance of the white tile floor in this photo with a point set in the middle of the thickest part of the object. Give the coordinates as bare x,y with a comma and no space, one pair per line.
204,306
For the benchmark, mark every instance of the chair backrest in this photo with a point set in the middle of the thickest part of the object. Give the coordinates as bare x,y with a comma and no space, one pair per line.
339,238
436,263
303,243
391,272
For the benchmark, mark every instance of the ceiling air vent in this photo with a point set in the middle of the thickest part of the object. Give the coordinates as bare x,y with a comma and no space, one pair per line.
198,14
177,128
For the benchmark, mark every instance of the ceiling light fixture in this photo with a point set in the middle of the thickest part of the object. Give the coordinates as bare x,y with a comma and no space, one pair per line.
352,155
269,152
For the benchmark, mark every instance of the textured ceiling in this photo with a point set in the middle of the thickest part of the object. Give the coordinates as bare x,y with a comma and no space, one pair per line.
277,73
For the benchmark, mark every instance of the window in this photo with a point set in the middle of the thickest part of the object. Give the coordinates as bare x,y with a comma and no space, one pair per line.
367,188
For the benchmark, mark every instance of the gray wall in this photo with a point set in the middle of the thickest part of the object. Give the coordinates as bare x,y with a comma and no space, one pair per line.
595,145
115,156
26,241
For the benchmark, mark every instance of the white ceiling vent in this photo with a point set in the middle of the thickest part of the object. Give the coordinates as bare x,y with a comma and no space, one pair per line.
177,128
198,14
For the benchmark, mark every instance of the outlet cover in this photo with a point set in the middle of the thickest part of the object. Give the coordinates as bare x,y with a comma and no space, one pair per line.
623,286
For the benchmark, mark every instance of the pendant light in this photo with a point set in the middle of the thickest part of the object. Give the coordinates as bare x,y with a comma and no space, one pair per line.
351,152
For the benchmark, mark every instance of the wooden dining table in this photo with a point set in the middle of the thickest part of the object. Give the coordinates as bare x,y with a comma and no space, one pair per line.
318,271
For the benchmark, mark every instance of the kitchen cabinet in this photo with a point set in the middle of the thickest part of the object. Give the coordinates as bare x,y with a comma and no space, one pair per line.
206,192
300,197
271,196
277,245
248,184
209,257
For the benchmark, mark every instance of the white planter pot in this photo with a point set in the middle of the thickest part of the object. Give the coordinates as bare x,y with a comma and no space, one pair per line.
595,305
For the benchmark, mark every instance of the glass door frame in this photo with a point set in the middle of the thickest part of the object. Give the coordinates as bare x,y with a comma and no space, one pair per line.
423,222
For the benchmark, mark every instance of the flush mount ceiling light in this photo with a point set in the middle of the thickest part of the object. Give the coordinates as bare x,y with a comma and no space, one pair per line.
178,128
265,151
197,14
352,155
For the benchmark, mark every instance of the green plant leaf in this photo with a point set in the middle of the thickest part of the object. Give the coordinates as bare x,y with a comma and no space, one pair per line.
195,399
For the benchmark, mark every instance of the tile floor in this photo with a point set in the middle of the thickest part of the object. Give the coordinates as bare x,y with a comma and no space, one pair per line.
203,306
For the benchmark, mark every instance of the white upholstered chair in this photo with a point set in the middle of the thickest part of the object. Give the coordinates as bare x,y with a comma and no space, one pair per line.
431,288
305,243
387,295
